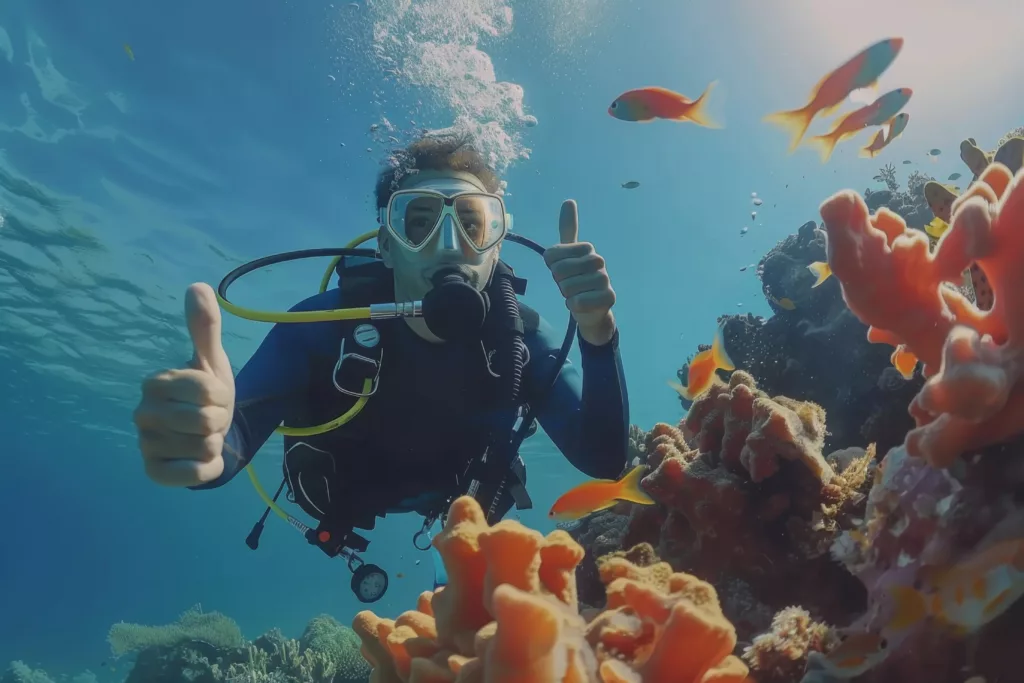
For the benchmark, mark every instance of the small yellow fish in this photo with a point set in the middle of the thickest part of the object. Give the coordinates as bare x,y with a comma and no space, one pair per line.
128,51
937,227
785,303
967,595
822,271
600,494
856,653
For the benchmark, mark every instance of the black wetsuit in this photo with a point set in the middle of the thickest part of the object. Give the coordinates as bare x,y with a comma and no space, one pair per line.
432,408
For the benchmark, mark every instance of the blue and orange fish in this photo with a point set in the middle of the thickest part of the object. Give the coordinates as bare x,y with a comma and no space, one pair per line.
643,105
875,114
889,132
861,71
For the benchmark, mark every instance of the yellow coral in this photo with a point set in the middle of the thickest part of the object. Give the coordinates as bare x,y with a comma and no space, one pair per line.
509,615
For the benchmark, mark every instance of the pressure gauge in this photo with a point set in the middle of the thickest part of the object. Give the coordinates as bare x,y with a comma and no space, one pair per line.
369,583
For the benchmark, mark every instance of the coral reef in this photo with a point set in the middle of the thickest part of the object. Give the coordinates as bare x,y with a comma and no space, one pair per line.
509,613
207,647
973,396
752,503
794,352
781,654
909,203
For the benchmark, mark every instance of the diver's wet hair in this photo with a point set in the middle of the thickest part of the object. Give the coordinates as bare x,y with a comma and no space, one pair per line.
449,152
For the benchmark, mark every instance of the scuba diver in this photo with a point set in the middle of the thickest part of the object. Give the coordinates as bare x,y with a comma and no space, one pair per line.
432,407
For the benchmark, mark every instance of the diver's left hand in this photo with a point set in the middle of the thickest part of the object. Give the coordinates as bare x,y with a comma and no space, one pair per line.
580,274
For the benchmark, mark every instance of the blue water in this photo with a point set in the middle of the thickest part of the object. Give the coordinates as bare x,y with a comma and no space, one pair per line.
123,181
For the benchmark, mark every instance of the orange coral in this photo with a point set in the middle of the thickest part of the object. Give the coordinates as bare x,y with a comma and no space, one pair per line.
509,615
974,360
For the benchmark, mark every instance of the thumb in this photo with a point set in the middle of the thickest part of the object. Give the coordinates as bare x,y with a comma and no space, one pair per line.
568,223
204,327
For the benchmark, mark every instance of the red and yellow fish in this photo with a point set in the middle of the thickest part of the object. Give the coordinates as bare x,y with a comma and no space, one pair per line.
875,114
861,71
600,494
643,105
701,373
856,654
965,596
889,132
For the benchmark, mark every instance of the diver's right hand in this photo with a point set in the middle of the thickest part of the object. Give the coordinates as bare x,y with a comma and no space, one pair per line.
184,414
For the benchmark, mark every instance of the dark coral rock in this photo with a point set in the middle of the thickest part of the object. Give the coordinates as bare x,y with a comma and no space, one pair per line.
819,351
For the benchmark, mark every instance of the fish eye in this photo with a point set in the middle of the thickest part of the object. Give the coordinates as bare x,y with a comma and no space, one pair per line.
883,644
615,104
843,637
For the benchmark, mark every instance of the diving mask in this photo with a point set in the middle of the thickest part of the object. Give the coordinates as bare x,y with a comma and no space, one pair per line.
415,216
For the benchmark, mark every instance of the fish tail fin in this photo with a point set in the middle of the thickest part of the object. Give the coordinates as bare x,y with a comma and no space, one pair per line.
795,121
826,145
909,607
680,389
872,149
629,487
822,271
696,111
718,352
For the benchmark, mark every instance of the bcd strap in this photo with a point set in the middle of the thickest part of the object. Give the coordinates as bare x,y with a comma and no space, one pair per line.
359,359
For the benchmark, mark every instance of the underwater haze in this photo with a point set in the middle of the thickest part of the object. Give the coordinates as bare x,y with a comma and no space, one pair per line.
147,146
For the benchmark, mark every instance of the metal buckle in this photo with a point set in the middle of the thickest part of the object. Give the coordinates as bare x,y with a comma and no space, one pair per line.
342,357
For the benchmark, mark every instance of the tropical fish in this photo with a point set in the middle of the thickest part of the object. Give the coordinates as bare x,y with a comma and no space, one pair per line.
967,595
631,184
953,176
861,71
784,303
934,152
875,146
889,132
874,114
907,161
646,104
600,494
822,271
904,361
856,654
702,368
936,227
128,51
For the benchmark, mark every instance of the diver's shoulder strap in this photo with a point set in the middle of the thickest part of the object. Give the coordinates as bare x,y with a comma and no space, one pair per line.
361,343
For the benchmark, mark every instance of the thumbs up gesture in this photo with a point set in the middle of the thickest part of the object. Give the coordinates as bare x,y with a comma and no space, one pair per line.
185,413
580,274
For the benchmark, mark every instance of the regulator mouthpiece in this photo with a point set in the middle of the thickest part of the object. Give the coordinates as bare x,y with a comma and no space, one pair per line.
454,310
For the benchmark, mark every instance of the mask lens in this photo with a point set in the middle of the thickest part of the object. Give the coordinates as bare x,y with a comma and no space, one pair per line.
482,218
414,216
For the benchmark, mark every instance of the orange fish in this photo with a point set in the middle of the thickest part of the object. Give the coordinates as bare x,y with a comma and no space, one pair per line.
600,494
855,654
862,71
877,113
967,595
646,104
702,369
904,361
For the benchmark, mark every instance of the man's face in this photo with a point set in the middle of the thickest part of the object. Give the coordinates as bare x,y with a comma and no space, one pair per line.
448,248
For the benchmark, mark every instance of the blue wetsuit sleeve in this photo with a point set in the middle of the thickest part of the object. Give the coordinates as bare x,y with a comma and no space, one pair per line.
585,414
264,388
